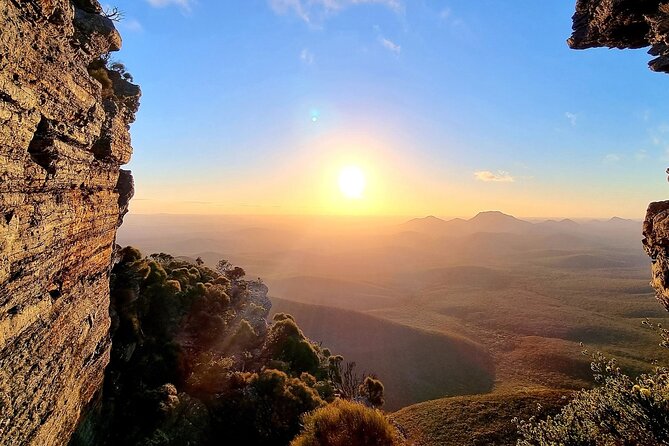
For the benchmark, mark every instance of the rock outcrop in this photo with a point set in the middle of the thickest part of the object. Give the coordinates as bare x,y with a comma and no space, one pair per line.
634,24
624,24
656,244
63,137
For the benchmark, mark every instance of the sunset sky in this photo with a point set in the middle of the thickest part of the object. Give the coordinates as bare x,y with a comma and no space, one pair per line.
447,107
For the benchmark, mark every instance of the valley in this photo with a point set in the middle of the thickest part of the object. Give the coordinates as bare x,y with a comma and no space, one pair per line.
440,308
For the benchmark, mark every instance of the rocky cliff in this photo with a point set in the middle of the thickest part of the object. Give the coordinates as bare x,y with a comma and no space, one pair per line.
63,136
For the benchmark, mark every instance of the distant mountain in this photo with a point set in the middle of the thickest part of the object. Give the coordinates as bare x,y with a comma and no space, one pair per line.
488,221
620,220
499,222
614,226
496,221
435,226
564,225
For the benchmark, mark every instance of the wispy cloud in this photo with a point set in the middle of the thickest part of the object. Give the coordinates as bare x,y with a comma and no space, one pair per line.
494,177
307,56
572,117
455,23
313,11
641,155
659,137
612,158
185,4
390,45
131,25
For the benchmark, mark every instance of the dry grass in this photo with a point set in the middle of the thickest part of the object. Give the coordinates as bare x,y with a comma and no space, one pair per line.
475,420
344,423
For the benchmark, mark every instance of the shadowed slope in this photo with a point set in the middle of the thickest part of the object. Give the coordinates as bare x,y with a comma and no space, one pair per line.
414,365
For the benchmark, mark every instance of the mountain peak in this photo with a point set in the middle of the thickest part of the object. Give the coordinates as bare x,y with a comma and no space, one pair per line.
430,219
492,215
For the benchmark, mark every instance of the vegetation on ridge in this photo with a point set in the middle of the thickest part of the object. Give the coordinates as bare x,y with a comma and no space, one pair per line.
194,360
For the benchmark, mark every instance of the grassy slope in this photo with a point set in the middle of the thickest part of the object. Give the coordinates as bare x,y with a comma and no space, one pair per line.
414,365
474,420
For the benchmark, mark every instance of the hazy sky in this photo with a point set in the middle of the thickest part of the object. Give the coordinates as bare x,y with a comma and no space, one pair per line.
448,107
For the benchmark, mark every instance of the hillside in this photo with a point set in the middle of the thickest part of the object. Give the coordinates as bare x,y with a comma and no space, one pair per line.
475,420
414,365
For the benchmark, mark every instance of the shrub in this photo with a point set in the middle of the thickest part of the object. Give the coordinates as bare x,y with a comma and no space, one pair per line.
344,423
243,336
286,342
622,411
372,391
264,408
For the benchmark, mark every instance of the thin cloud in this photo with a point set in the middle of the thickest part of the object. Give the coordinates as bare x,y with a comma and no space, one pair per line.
612,158
456,24
311,11
572,117
494,177
390,45
307,56
131,25
185,4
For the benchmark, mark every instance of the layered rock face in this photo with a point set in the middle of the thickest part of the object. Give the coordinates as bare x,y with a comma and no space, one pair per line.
63,137
634,24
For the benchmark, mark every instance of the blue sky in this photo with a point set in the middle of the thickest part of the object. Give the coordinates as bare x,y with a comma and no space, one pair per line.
450,106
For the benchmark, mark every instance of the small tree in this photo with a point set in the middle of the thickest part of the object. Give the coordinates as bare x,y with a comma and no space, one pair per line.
372,391
114,14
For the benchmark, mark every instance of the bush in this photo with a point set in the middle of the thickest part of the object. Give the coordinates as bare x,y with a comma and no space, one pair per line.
622,411
344,423
286,342
372,391
264,408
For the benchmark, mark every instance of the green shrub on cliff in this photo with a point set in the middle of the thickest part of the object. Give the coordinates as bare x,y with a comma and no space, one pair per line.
264,408
286,342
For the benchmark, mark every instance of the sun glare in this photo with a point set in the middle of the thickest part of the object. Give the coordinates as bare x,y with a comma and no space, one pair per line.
352,182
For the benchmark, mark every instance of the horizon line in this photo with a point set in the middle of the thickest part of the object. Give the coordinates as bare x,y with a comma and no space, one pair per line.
372,216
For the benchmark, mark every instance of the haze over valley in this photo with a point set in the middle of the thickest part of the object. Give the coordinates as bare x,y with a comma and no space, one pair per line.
439,307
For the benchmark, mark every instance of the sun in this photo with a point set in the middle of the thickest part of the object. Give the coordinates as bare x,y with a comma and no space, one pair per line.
352,182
